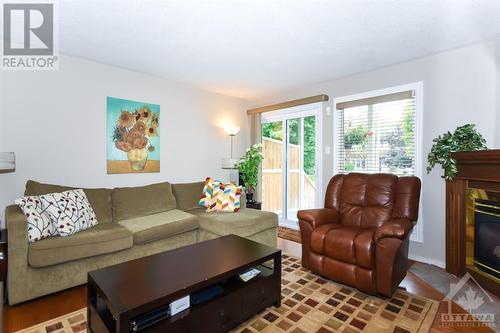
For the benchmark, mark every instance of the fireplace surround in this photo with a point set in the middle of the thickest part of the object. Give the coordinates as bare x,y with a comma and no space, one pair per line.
472,224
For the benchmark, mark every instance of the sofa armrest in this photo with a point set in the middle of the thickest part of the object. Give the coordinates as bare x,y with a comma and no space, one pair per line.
317,217
243,200
17,233
17,246
397,228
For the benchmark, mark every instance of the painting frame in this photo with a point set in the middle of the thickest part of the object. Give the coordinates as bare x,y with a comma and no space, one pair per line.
133,136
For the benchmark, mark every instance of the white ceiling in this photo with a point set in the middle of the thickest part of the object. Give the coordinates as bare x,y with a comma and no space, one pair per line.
253,49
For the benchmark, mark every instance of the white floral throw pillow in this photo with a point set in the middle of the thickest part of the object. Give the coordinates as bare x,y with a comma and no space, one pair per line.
40,225
70,211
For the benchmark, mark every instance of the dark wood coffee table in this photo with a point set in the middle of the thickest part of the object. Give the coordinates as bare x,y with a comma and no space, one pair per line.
119,293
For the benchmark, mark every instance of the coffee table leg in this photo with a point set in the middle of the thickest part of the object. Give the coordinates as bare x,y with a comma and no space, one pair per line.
277,272
91,294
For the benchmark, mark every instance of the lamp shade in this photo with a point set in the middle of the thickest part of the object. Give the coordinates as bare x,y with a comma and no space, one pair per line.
229,163
7,162
232,130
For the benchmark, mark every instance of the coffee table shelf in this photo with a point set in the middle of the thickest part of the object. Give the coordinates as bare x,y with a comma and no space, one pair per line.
111,309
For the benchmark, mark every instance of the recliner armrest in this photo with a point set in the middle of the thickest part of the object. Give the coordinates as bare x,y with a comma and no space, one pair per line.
317,217
397,228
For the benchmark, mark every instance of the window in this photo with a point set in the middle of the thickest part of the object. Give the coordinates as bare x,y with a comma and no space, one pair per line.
377,134
379,131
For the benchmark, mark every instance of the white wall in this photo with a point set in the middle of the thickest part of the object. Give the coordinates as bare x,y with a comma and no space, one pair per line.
55,122
459,87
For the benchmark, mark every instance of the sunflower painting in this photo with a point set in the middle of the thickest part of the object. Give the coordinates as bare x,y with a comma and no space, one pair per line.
133,136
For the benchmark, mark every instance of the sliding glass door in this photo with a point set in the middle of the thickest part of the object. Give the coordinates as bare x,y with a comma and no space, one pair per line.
272,167
291,163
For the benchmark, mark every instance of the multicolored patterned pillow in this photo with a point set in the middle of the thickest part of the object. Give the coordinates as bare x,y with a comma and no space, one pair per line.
221,197
70,211
210,192
40,225
228,198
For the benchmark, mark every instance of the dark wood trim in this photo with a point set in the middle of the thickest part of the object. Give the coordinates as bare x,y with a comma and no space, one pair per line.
481,165
488,186
289,104
490,156
455,226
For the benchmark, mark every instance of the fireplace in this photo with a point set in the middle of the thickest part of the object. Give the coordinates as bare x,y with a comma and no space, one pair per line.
473,218
487,236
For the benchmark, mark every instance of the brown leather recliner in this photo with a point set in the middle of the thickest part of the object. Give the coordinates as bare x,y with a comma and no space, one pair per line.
361,237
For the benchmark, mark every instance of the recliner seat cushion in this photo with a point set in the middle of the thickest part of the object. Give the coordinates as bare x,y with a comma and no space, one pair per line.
345,243
101,239
163,225
244,223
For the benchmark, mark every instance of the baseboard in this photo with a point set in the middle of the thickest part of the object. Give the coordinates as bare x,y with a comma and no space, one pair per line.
426,260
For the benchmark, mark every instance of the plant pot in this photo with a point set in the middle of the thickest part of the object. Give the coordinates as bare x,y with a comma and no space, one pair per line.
137,158
249,196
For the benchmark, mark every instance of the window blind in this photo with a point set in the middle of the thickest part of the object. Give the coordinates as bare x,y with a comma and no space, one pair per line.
377,134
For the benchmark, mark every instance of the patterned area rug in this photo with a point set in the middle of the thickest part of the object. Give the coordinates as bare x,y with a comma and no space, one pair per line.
290,234
311,304
72,323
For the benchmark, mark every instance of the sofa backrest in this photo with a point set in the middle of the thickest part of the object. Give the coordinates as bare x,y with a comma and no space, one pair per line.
130,202
188,195
370,200
99,198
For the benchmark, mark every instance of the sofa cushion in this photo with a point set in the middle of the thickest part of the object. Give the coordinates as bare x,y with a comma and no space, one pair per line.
187,195
160,226
70,211
40,225
99,198
130,202
101,239
244,223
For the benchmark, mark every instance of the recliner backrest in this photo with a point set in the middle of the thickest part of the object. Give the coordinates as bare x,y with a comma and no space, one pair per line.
370,200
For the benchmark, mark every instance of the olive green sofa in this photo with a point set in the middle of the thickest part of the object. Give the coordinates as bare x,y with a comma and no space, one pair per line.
133,222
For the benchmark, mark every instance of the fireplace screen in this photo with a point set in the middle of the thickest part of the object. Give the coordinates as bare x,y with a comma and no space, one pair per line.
487,236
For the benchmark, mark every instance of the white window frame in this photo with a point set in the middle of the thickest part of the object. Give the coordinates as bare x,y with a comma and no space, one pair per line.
300,111
418,89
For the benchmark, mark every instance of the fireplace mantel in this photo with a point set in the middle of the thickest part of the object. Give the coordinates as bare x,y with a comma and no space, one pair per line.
481,165
476,170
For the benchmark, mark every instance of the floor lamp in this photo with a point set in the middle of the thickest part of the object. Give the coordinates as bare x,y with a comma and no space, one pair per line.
231,163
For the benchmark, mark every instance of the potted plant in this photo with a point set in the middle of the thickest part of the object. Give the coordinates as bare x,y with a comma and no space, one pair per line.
464,138
248,167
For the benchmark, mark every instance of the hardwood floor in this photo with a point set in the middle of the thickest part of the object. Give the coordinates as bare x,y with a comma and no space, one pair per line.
417,286
37,311
42,309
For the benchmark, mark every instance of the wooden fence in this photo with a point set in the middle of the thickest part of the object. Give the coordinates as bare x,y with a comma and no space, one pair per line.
272,179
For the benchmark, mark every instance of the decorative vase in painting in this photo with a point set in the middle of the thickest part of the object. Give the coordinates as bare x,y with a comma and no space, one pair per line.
138,158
